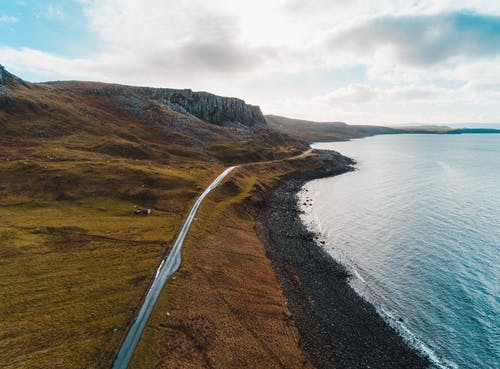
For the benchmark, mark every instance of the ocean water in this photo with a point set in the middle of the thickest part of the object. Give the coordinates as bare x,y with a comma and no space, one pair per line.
418,226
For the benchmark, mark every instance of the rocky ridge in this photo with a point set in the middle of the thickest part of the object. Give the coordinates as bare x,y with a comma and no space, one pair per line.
8,79
219,110
4,75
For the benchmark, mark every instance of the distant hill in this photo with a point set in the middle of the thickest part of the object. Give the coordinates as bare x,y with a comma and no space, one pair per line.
473,130
325,131
475,125
425,127
311,131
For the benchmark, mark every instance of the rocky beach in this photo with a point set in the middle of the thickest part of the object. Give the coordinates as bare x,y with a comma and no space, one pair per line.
337,327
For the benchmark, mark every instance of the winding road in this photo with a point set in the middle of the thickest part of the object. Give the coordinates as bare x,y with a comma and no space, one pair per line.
169,266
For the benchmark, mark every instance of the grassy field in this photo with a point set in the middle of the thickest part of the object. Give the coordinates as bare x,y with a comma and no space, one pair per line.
75,262
71,275
74,267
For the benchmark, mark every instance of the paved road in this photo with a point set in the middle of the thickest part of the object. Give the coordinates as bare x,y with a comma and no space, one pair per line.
300,156
167,267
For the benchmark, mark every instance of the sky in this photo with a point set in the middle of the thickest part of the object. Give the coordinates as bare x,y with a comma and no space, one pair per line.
389,62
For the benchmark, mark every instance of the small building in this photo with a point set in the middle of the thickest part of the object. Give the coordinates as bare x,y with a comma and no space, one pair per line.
140,211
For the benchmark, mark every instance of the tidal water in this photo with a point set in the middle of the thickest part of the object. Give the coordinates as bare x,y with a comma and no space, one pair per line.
418,226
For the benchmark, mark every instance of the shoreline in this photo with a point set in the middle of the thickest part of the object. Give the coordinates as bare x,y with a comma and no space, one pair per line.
337,327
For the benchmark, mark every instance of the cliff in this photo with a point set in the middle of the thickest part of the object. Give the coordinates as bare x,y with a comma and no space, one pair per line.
4,75
8,79
222,111
218,110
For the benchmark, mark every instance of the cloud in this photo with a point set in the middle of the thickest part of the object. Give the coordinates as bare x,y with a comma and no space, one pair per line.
54,11
362,94
193,44
8,19
365,104
352,94
422,40
51,12
43,63
478,70
182,40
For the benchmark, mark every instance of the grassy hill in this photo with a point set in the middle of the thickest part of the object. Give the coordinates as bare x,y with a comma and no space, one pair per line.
310,131
325,131
76,159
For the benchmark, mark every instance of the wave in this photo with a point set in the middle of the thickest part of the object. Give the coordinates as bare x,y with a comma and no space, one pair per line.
359,276
412,339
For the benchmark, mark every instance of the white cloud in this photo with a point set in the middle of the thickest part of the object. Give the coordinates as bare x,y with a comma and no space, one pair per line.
8,19
365,104
352,94
51,12
361,94
479,70
54,11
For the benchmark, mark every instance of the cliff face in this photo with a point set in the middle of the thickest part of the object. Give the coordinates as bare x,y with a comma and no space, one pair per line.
218,110
7,79
3,74
208,107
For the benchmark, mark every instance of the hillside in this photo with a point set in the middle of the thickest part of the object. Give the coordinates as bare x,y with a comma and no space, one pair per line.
310,131
325,131
135,119
76,160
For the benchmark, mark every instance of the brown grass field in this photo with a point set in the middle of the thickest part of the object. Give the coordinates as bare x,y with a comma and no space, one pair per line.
225,308
75,262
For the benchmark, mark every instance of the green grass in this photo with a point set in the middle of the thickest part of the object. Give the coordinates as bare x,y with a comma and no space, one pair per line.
74,260
71,276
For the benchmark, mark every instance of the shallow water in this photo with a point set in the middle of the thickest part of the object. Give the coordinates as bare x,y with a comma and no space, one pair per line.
418,225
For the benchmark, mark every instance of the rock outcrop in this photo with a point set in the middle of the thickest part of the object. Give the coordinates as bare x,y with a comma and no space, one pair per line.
3,89
215,109
7,79
218,110
2,73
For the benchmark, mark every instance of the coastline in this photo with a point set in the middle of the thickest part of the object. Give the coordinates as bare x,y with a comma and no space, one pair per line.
337,327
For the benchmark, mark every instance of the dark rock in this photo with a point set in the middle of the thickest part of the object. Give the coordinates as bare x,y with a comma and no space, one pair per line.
4,75
8,79
223,111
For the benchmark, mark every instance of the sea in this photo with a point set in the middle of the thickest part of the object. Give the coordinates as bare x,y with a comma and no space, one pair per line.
417,224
